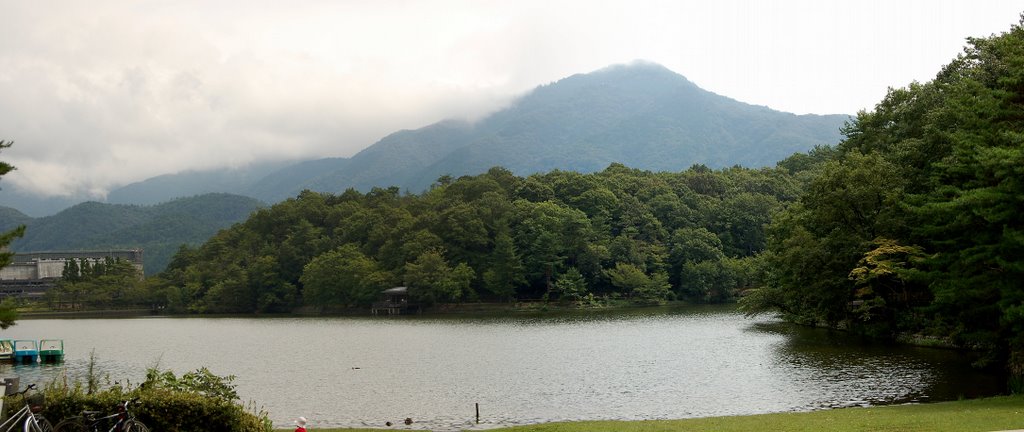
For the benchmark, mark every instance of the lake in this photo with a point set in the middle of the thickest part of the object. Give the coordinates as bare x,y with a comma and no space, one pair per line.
657,363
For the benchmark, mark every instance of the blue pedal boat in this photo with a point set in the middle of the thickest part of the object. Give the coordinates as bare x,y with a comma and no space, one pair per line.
25,351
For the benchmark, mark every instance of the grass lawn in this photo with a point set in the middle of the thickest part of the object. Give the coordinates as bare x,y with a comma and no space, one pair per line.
978,415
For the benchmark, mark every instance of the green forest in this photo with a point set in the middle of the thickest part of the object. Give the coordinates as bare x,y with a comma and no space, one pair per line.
912,225
616,234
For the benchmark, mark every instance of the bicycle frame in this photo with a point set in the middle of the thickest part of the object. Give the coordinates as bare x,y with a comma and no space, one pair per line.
16,418
95,421
21,417
30,418
26,417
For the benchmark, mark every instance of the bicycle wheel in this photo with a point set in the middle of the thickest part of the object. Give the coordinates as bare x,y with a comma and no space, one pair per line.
38,424
72,424
135,426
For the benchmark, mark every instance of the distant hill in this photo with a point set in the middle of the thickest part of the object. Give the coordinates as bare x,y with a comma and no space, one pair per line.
641,115
194,182
12,218
289,181
32,204
158,229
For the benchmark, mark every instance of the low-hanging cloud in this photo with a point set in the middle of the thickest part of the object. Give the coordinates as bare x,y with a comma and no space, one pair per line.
102,93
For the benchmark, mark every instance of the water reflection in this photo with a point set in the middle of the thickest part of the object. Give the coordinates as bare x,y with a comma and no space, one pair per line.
864,372
639,364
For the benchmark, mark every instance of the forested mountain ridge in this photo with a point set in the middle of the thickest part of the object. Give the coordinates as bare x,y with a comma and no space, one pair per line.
159,229
641,115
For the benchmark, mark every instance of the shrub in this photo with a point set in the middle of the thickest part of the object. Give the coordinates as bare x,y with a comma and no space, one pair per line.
192,402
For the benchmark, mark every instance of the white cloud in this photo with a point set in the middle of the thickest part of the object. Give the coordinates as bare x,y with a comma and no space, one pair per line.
101,93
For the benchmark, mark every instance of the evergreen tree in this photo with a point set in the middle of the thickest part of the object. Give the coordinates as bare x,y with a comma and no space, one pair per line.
505,274
8,314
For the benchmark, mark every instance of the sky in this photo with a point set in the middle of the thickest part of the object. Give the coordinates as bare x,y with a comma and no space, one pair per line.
98,94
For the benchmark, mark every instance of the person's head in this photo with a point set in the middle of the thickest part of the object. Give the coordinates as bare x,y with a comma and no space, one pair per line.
301,422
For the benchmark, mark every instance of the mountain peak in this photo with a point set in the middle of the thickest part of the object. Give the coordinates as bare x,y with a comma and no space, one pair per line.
637,67
629,75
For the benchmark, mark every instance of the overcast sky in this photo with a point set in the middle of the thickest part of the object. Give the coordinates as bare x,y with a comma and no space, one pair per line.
98,94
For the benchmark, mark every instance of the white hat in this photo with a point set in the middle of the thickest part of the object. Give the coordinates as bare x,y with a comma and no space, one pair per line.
301,421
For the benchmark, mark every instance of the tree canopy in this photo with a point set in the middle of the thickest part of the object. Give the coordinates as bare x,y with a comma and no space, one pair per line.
914,223
618,233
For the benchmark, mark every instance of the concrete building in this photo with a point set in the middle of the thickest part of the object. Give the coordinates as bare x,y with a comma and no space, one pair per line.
31,274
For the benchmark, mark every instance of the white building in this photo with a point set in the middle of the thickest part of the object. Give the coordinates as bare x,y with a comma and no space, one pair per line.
31,274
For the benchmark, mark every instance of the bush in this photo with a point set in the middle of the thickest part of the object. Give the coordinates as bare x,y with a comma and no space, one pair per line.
193,402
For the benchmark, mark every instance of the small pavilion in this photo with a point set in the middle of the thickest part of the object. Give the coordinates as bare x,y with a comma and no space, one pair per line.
396,301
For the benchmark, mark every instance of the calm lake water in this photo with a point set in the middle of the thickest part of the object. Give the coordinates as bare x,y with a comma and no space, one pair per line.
639,364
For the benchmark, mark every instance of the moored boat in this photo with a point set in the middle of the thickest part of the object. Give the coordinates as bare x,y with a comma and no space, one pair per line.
25,351
51,350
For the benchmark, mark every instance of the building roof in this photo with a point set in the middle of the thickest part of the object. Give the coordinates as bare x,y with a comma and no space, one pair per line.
133,255
396,291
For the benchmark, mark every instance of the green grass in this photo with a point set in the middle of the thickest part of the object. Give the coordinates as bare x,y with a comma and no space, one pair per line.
977,415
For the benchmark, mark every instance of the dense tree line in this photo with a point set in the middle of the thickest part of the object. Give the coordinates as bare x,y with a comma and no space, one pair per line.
99,284
914,223
619,233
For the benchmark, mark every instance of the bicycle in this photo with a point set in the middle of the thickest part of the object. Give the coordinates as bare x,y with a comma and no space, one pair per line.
121,421
28,416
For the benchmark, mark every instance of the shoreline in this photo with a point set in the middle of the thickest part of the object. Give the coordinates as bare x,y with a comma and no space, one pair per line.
483,310
99,313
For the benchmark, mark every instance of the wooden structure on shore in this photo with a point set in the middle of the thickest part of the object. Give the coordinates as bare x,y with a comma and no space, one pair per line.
396,302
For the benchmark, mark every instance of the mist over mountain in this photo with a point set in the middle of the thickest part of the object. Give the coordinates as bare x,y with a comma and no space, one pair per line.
162,188
641,115
33,204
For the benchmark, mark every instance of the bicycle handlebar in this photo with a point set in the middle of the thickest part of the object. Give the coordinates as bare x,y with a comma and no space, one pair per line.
27,388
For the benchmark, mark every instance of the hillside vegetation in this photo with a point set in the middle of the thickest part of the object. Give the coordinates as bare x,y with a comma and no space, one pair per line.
12,218
619,233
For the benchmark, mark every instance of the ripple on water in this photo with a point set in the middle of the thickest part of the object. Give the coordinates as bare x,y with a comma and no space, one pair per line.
361,372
